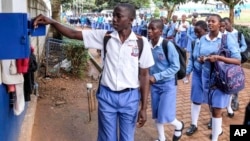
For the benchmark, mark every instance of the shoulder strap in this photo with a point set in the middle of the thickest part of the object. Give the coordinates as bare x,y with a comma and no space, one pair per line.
239,37
165,48
140,44
105,41
224,41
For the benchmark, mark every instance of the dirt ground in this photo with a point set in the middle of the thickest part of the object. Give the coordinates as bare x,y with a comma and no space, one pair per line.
62,109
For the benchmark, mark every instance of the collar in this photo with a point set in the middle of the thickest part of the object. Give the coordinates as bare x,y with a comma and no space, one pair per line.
158,43
219,36
132,36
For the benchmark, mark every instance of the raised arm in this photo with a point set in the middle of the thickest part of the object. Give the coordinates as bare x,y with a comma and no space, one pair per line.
66,31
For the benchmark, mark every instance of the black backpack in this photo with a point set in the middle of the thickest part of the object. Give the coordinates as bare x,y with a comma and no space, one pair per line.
245,56
182,57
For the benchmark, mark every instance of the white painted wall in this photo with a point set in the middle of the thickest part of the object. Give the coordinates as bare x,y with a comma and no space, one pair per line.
11,6
0,5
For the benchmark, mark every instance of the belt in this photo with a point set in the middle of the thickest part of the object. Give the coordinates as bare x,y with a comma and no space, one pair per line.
120,91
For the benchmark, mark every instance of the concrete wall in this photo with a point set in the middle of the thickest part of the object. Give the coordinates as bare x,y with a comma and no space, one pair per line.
11,124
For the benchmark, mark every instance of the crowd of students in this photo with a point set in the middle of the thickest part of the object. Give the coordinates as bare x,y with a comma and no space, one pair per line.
118,94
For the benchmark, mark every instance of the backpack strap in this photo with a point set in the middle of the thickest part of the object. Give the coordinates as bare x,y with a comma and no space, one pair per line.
105,41
239,38
140,44
224,41
165,50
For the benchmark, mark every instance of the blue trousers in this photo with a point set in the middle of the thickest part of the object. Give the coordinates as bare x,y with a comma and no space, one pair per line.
117,111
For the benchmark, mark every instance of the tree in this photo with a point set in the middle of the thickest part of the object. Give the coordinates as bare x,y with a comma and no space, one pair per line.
231,4
56,9
169,5
112,3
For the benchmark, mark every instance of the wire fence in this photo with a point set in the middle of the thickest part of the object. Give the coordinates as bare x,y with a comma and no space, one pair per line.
54,54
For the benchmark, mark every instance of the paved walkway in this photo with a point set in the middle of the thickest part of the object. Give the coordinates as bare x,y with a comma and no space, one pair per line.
148,132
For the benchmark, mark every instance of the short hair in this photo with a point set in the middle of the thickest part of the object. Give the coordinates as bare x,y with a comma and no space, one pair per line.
158,23
202,24
216,15
129,7
227,19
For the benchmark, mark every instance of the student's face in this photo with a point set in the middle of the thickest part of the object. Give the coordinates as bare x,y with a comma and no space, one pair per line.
199,31
153,31
222,27
213,23
174,18
121,18
228,25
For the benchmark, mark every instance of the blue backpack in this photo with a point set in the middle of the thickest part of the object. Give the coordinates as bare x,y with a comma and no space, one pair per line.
229,78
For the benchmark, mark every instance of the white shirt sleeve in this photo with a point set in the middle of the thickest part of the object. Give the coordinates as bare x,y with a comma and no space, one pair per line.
93,38
146,59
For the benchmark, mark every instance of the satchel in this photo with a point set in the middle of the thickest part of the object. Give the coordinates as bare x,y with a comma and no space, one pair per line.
229,78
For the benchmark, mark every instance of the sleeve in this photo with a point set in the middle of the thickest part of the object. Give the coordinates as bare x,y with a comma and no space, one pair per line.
190,65
189,33
146,59
93,38
233,46
242,44
174,64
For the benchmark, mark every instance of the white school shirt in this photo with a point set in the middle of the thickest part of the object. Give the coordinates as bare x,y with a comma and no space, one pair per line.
121,64
179,26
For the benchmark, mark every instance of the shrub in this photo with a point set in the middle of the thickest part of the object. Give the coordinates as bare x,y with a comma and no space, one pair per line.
78,55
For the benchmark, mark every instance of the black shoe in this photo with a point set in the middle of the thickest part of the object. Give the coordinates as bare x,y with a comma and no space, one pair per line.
209,125
191,130
219,135
235,106
230,115
175,138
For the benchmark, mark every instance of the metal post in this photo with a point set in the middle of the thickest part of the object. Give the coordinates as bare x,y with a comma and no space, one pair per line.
89,87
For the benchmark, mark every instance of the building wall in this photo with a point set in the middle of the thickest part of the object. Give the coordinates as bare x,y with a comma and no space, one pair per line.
10,124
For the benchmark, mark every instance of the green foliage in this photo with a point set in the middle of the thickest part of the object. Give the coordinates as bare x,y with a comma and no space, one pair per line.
112,3
157,13
78,55
243,29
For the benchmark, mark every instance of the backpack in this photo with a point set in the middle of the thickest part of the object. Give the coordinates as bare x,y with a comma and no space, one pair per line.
229,78
245,56
182,58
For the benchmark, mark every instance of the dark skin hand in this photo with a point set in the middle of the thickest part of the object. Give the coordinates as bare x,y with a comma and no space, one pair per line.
144,88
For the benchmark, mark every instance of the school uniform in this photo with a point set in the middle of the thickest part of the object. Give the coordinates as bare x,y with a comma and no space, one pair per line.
191,37
171,30
215,97
118,96
163,92
181,38
194,67
242,43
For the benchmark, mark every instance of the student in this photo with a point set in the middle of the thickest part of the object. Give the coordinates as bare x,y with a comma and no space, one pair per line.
118,96
194,66
191,38
162,80
209,45
181,36
171,30
234,102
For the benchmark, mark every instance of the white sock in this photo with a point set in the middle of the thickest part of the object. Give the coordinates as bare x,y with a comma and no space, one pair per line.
229,108
195,111
178,126
216,128
160,129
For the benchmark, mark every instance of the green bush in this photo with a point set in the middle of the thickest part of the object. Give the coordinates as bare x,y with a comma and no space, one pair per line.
78,55
243,29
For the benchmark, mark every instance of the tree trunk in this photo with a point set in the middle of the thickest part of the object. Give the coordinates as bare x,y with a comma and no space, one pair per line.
231,14
56,11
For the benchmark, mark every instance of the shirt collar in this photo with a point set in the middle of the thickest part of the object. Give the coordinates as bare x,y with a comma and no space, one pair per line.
158,43
132,36
219,36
